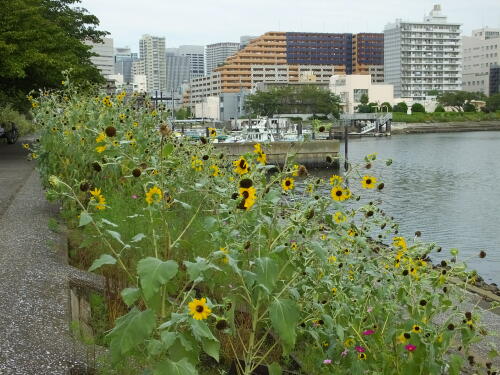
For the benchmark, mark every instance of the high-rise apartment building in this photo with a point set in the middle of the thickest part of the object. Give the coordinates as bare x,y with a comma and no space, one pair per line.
124,59
104,61
481,51
368,55
217,53
152,54
423,56
178,71
196,56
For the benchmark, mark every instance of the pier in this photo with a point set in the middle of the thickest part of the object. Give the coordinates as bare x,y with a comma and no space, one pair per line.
312,154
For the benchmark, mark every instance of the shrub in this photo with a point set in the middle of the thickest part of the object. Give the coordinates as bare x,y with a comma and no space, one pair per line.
468,107
401,107
439,109
9,114
386,106
417,108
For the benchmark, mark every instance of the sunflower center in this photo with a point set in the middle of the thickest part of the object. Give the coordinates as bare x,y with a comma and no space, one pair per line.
338,193
368,181
243,165
199,308
245,194
287,182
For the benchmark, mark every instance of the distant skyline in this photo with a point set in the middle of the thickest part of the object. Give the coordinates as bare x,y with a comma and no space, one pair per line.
202,22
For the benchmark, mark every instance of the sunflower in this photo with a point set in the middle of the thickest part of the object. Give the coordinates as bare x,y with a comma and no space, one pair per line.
257,148
332,259
100,149
294,245
197,165
198,309
338,194
154,195
339,217
101,137
287,184
362,356
101,203
241,166
416,329
347,193
248,195
399,242
349,342
336,180
262,158
116,143
26,146
368,182
212,132
295,170
135,123
401,339
215,169
351,232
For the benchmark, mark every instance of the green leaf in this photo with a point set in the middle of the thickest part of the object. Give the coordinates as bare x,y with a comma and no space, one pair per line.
284,318
195,270
212,348
109,223
455,364
130,295
85,218
201,331
167,149
131,330
168,339
138,237
117,236
168,367
155,347
154,273
266,273
340,332
274,369
101,261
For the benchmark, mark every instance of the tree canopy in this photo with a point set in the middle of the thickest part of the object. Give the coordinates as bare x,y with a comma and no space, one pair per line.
287,99
458,99
38,40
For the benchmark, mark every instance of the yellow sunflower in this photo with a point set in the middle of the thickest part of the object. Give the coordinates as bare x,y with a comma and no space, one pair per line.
199,309
26,146
295,170
401,339
215,169
339,217
362,356
241,166
100,149
416,329
287,184
257,148
197,165
212,132
338,194
336,180
262,158
399,242
248,195
368,182
154,195
101,137
349,342
332,259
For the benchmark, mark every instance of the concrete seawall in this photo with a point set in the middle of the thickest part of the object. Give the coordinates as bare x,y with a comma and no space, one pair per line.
312,154
444,127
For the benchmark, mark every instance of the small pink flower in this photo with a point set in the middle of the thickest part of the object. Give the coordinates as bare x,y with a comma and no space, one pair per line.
368,332
369,309
360,349
344,353
327,361
410,347
134,196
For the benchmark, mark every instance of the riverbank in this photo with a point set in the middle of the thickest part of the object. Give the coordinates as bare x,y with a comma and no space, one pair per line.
444,127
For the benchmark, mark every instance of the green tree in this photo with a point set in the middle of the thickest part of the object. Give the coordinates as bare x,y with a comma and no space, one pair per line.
439,108
364,99
38,40
386,107
417,107
469,107
493,103
457,99
433,93
401,107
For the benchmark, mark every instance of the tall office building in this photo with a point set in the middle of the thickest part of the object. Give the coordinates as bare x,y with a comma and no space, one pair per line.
481,52
178,71
152,54
217,53
196,56
104,61
423,56
124,59
368,55
494,80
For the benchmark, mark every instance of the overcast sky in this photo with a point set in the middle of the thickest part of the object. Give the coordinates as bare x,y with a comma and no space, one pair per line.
203,21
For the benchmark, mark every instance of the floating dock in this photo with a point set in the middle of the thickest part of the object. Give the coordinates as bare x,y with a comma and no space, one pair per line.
312,154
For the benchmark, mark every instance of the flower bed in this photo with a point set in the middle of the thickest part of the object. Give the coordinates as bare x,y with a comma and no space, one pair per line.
220,261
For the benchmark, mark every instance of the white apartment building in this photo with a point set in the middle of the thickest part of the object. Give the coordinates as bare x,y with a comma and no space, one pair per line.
351,88
481,51
217,53
105,60
423,56
152,55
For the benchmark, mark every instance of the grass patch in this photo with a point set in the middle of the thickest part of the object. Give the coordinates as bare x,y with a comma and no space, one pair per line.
445,117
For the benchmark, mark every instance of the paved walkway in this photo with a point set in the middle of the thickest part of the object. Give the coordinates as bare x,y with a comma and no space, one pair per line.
34,296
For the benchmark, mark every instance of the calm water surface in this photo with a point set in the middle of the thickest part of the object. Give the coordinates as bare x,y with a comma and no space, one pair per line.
445,185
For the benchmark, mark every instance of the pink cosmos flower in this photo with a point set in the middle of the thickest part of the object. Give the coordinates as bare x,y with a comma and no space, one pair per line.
369,309
344,353
360,349
134,196
327,361
368,332
410,347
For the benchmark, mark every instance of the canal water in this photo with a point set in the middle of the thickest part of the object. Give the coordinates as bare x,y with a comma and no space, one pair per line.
446,185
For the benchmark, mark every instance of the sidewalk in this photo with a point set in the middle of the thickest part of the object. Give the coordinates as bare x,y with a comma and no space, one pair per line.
34,295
